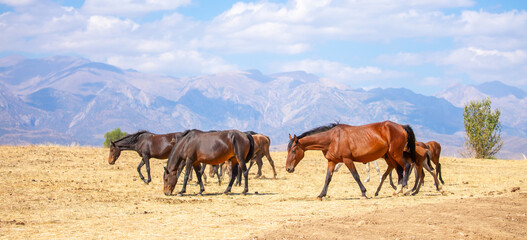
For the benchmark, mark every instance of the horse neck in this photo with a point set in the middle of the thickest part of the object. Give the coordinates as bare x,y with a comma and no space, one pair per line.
123,146
319,141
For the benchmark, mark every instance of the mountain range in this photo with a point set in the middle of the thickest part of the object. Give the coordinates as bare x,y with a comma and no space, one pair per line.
64,100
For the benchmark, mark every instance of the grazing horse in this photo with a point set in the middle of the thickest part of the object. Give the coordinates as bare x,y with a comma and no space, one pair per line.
261,148
147,145
348,144
212,148
423,156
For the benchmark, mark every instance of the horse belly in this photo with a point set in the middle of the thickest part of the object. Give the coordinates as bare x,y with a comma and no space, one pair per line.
215,158
368,154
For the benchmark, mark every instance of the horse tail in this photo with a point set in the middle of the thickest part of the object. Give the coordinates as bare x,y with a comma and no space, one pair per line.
251,147
428,157
410,141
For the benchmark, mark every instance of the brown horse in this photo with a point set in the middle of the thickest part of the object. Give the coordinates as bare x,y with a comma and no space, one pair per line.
261,148
212,148
348,144
147,145
435,151
423,156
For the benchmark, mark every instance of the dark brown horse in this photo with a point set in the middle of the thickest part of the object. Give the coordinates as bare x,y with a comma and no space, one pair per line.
147,145
348,144
261,149
212,148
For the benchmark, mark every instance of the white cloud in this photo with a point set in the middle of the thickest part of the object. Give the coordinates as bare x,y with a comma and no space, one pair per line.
487,45
17,2
129,8
364,76
175,63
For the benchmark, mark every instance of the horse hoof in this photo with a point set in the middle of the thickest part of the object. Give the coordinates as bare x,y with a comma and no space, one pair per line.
180,194
319,199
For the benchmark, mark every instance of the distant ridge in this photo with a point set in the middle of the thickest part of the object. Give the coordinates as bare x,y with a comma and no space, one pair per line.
67,99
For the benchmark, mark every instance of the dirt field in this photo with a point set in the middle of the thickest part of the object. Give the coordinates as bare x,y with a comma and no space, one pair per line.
52,192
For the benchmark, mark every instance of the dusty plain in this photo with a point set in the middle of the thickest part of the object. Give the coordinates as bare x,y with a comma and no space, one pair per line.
57,192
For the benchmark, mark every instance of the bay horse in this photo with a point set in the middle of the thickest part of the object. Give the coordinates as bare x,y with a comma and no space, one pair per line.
212,148
147,145
435,152
348,144
423,156
261,149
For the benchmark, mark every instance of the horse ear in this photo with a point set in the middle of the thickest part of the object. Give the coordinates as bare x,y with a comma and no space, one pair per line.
290,136
166,170
112,144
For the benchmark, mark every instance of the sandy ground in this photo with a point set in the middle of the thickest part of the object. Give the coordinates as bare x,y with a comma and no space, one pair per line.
53,192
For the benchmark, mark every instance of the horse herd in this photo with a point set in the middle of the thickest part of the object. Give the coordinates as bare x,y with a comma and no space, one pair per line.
339,143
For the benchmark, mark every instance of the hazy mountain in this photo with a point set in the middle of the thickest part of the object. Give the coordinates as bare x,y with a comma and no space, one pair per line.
65,99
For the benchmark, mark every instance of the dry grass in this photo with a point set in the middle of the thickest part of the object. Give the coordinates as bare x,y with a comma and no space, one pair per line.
56,192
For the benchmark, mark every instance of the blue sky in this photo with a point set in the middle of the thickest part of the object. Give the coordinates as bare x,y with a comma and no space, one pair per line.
425,46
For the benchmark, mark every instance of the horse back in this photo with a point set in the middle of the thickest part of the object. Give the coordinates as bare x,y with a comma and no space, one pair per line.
160,145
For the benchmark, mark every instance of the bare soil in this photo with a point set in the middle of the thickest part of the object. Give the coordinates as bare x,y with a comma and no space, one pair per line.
55,192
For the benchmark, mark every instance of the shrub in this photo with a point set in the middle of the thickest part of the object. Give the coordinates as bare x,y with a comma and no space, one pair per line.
114,135
482,128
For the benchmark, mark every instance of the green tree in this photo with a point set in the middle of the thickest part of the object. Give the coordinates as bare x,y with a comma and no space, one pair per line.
482,128
112,136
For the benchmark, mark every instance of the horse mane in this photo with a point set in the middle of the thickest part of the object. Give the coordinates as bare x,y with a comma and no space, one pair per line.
313,131
131,139
251,132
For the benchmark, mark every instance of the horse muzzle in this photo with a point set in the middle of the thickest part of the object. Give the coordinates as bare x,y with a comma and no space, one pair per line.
290,170
111,161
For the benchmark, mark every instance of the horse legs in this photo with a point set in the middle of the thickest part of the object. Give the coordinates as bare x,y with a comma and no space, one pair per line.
391,181
146,159
407,169
234,174
351,166
438,172
376,165
245,173
400,179
199,173
187,174
419,176
259,162
215,170
388,171
268,156
329,174
139,170
239,176
438,187
367,172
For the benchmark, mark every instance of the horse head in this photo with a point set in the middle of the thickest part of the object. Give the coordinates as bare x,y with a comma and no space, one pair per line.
170,180
295,153
115,152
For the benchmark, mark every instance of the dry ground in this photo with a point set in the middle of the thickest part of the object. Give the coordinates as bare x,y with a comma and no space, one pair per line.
54,192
